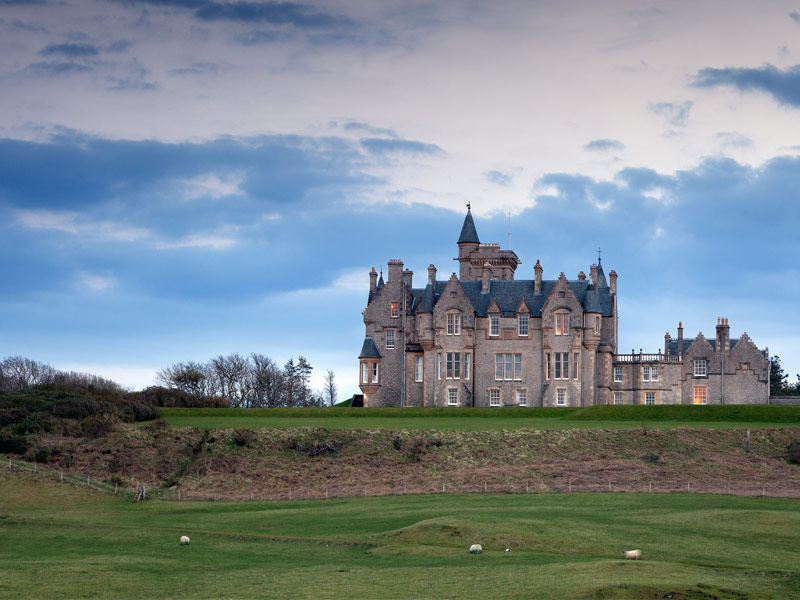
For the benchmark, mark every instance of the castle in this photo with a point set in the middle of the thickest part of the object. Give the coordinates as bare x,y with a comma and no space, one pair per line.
486,339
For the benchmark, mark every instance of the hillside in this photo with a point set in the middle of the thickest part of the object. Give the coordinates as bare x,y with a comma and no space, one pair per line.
304,462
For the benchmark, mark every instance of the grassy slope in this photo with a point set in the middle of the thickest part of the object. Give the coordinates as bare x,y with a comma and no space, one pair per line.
482,419
61,541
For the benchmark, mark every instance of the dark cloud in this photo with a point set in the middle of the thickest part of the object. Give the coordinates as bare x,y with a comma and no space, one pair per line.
795,16
118,46
121,85
261,36
70,50
675,113
196,69
21,2
604,144
17,24
58,68
381,146
499,178
784,86
277,13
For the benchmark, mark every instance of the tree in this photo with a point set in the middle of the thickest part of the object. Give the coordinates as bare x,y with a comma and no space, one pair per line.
189,377
304,369
266,381
778,385
232,375
330,387
290,383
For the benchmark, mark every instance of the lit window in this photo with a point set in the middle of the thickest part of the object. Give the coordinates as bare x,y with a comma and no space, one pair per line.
562,323
494,397
466,365
453,365
508,366
653,373
364,372
374,372
617,374
418,368
561,397
650,398
700,395
395,309
522,325
522,397
454,324
576,360
617,397
700,367
561,365
494,324
452,396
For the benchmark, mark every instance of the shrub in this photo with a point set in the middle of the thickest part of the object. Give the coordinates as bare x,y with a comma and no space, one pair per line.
244,437
793,453
12,443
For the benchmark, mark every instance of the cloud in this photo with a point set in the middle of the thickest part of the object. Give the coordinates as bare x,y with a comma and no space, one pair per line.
380,146
95,283
783,86
358,126
731,139
70,50
21,2
261,36
58,68
121,85
277,13
118,46
74,223
499,178
795,16
603,145
200,240
674,113
196,69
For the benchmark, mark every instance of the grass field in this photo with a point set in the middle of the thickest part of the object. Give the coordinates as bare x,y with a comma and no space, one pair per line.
62,541
481,419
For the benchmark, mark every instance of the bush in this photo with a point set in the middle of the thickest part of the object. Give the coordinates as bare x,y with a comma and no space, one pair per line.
793,453
11,443
244,437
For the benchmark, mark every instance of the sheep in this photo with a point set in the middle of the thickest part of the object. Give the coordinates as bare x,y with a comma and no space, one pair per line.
632,554
185,540
475,549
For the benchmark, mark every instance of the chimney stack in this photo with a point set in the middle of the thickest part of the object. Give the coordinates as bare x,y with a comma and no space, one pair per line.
408,276
486,276
431,274
723,335
581,276
373,281
593,275
667,338
395,270
537,278
612,277
680,338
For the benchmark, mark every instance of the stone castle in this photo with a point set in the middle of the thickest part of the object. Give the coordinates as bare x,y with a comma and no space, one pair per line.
486,339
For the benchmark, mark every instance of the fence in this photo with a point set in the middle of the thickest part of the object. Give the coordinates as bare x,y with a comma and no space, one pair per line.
554,485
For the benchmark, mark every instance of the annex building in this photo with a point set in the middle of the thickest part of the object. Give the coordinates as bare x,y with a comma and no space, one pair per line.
484,338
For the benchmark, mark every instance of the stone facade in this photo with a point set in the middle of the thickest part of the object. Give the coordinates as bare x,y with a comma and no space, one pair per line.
486,339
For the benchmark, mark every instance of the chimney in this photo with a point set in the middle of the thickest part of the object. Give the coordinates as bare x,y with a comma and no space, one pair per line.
486,277
593,275
680,338
431,274
407,277
373,281
537,278
667,338
612,278
395,270
581,276
723,335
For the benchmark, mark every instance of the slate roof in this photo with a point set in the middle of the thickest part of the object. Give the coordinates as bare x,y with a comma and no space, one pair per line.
509,294
672,345
468,232
601,276
369,349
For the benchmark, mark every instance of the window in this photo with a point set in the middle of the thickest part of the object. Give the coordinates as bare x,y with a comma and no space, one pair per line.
452,396
617,374
364,372
494,397
522,325
522,397
390,338
494,324
374,372
562,323
597,325
653,373
439,365
645,373
395,309
650,398
617,397
561,397
700,395
466,365
700,367
508,366
453,365
453,324
418,369
576,360
547,366
650,373
561,365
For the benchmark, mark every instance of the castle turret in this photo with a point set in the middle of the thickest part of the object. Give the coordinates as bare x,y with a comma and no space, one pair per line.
468,242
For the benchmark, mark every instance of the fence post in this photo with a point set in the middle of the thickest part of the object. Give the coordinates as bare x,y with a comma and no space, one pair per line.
9,462
34,466
609,485
484,486
570,486
115,488
650,485
365,490
763,491
688,486
526,487
87,480
62,474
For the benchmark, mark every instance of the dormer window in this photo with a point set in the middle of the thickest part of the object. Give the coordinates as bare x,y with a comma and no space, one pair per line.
494,325
453,324
394,309
562,323
523,323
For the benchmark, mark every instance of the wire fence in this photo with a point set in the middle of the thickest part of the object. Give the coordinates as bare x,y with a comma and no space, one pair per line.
554,485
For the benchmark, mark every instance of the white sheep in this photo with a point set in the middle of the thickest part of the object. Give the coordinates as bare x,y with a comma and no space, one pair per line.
475,549
632,554
185,540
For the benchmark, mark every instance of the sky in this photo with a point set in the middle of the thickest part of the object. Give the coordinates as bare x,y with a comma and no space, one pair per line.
186,178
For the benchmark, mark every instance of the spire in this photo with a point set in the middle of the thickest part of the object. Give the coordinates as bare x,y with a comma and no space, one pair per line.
469,235
601,276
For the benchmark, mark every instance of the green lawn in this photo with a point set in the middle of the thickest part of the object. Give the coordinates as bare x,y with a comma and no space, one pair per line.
62,541
596,417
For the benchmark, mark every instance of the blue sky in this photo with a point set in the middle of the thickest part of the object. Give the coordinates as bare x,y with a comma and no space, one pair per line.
184,178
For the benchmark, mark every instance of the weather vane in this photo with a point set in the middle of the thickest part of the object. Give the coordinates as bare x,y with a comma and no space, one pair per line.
468,206
599,253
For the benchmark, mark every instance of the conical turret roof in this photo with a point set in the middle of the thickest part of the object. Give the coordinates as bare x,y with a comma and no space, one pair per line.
469,235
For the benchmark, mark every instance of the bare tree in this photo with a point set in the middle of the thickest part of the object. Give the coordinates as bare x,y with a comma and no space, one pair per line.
330,387
232,374
190,377
20,373
266,381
